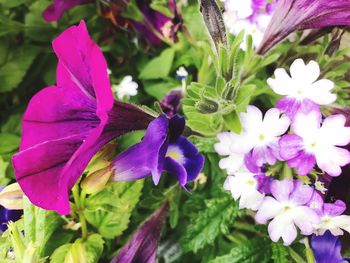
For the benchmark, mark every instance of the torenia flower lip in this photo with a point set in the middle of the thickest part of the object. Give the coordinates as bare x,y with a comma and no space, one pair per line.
293,15
327,248
65,125
287,207
162,149
302,91
312,143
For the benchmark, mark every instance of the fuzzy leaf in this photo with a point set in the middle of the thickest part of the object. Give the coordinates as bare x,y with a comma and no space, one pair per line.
218,215
110,210
279,253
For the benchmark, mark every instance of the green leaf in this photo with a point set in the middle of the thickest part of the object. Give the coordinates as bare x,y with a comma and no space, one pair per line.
133,12
252,251
158,67
204,144
109,211
89,250
216,217
8,143
162,6
12,3
279,253
233,122
159,89
39,225
3,167
16,66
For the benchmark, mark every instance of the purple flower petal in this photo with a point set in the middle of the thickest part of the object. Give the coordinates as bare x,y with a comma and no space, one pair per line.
290,146
303,163
282,189
302,194
64,126
142,247
161,149
145,158
292,106
54,11
8,215
334,209
171,103
327,248
293,15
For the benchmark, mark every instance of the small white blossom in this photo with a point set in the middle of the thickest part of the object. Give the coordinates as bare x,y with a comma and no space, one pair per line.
181,73
126,88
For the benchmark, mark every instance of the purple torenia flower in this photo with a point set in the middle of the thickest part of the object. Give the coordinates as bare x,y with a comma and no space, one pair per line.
7,215
293,15
327,248
171,103
162,149
142,247
58,7
302,89
287,207
312,143
65,125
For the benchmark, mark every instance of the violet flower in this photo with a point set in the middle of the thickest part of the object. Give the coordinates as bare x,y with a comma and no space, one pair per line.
54,11
327,248
142,247
315,143
288,208
65,125
162,149
293,15
154,21
7,215
171,103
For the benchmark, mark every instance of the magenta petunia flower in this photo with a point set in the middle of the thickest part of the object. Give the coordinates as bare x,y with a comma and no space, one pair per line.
54,11
162,149
293,15
66,124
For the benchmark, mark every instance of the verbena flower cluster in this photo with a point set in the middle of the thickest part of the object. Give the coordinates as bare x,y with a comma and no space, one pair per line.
292,135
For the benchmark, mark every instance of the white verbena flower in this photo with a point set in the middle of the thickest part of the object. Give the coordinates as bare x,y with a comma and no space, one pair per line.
244,186
302,91
126,88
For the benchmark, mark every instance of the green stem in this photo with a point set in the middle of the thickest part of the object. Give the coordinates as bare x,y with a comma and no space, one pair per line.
308,251
79,201
297,258
84,230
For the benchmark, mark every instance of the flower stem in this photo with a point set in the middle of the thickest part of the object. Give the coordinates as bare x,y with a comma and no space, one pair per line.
79,200
308,251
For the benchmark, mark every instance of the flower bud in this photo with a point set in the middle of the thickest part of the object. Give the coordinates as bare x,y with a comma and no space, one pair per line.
97,180
11,197
207,106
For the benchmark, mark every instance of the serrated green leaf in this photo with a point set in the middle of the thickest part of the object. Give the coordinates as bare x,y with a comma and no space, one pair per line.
254,250
16,66
218,215
204,144
39,225
279,253
109,211
158,67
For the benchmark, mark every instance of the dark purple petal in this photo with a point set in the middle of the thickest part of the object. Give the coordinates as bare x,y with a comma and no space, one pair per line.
171,103
58,7
64,126
145,158
193,161
303,163
8,215
327,248
263,183
176,127
165,26
142,247
293,15
175,168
